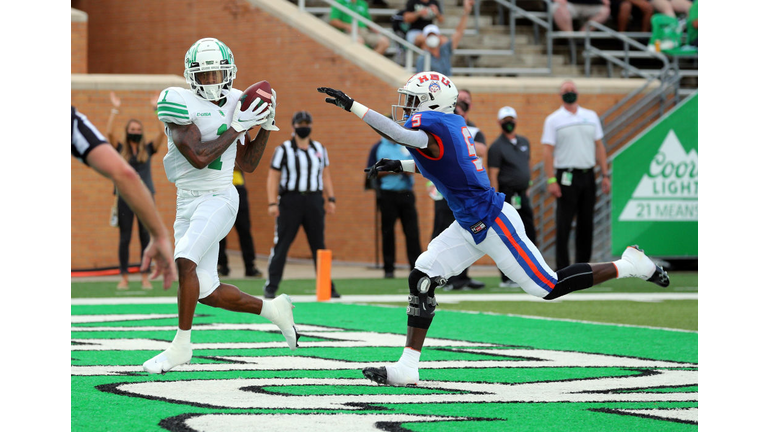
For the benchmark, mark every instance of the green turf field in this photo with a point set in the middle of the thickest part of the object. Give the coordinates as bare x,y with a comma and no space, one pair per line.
496,365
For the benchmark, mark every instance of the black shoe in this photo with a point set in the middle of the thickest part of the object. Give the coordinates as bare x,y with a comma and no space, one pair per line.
269,293
334,293
660,277
253,271
223,270
475,284
389,275
377,375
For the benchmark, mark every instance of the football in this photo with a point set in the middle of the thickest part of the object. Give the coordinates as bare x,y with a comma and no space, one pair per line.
261,90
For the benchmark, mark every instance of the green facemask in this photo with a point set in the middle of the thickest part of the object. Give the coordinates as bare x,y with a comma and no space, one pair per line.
570,97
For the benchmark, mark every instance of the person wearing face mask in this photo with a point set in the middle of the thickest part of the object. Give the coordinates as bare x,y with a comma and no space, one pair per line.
573,145
135,149
441,47
509,170
298,178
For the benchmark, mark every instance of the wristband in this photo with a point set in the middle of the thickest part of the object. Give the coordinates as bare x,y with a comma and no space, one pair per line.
551,180
358,109
272,204
115,111
408,166
332,199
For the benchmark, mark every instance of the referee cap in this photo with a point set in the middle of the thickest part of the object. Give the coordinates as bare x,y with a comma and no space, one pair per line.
301,116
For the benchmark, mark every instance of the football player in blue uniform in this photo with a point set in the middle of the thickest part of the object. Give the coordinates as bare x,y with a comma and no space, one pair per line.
444,152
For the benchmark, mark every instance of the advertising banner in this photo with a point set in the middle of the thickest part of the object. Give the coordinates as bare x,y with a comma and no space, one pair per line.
654,201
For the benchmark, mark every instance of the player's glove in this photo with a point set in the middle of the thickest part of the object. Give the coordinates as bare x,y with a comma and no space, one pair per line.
269,124
256,114
387,165
337,97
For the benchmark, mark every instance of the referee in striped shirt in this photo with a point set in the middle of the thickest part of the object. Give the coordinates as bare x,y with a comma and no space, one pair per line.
298,179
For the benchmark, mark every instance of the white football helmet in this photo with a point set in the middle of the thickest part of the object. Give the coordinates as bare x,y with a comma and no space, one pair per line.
425,91
208,55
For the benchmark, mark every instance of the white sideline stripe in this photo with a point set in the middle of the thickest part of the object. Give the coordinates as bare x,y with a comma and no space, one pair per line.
442,298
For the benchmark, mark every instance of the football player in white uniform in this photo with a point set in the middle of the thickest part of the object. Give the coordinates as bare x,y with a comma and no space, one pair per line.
208,135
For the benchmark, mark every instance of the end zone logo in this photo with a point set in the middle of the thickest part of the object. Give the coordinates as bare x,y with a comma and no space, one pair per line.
251,381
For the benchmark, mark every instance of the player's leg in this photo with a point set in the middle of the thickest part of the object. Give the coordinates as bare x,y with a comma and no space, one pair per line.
144,240
522,262
201,222
447,255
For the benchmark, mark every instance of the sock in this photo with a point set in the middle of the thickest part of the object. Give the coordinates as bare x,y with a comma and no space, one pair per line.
182,337
623,268
268,310
410,358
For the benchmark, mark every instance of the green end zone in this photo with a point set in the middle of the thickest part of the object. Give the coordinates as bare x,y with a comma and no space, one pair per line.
477,371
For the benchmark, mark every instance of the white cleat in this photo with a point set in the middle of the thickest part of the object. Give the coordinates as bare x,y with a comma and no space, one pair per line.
644,268
174,356
284,319
395,375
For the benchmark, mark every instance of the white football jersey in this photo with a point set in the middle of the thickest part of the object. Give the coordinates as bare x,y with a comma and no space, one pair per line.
181,106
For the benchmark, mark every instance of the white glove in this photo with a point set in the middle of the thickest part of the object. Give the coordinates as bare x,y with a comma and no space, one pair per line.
256,114
270,123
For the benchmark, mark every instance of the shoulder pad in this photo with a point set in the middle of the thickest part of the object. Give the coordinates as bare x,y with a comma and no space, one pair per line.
172,107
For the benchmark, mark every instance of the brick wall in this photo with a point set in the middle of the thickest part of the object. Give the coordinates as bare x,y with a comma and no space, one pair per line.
79,41
150,37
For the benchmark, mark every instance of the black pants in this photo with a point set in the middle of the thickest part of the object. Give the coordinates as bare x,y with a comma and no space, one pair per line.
577,200
394,206
296,210
125,222
243,228
526,214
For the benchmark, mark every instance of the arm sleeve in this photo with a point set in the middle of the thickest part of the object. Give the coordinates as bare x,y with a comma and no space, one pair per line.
172,108
408,137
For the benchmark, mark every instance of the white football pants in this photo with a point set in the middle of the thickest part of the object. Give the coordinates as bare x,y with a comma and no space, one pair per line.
203,218
454,250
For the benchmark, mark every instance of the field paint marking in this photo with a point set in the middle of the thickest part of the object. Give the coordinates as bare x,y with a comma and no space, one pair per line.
442,298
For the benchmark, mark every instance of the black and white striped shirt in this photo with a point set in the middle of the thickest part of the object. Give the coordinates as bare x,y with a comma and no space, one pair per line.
301,170
85,136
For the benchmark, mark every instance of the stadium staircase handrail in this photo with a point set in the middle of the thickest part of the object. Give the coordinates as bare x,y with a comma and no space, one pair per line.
410,49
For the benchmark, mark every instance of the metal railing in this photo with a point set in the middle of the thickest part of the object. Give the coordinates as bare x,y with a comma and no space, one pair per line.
410,49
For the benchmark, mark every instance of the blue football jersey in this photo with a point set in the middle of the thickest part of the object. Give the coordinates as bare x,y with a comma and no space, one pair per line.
457,172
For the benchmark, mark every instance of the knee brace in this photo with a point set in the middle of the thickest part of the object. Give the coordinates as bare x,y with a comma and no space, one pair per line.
572,278
421,301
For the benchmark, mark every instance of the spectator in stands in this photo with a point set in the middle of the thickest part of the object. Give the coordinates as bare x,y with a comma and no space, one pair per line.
418,14
564,12
693,25
623,11
441,47
672,7
366,36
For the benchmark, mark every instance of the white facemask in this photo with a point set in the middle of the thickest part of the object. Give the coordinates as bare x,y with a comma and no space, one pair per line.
433,41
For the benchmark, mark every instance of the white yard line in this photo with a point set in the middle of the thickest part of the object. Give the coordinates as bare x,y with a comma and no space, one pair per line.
442,298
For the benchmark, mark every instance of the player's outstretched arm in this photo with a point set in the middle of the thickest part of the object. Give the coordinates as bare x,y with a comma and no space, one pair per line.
382,125
107,162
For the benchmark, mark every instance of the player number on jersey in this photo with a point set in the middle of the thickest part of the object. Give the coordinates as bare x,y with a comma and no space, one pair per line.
471,148
217,164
